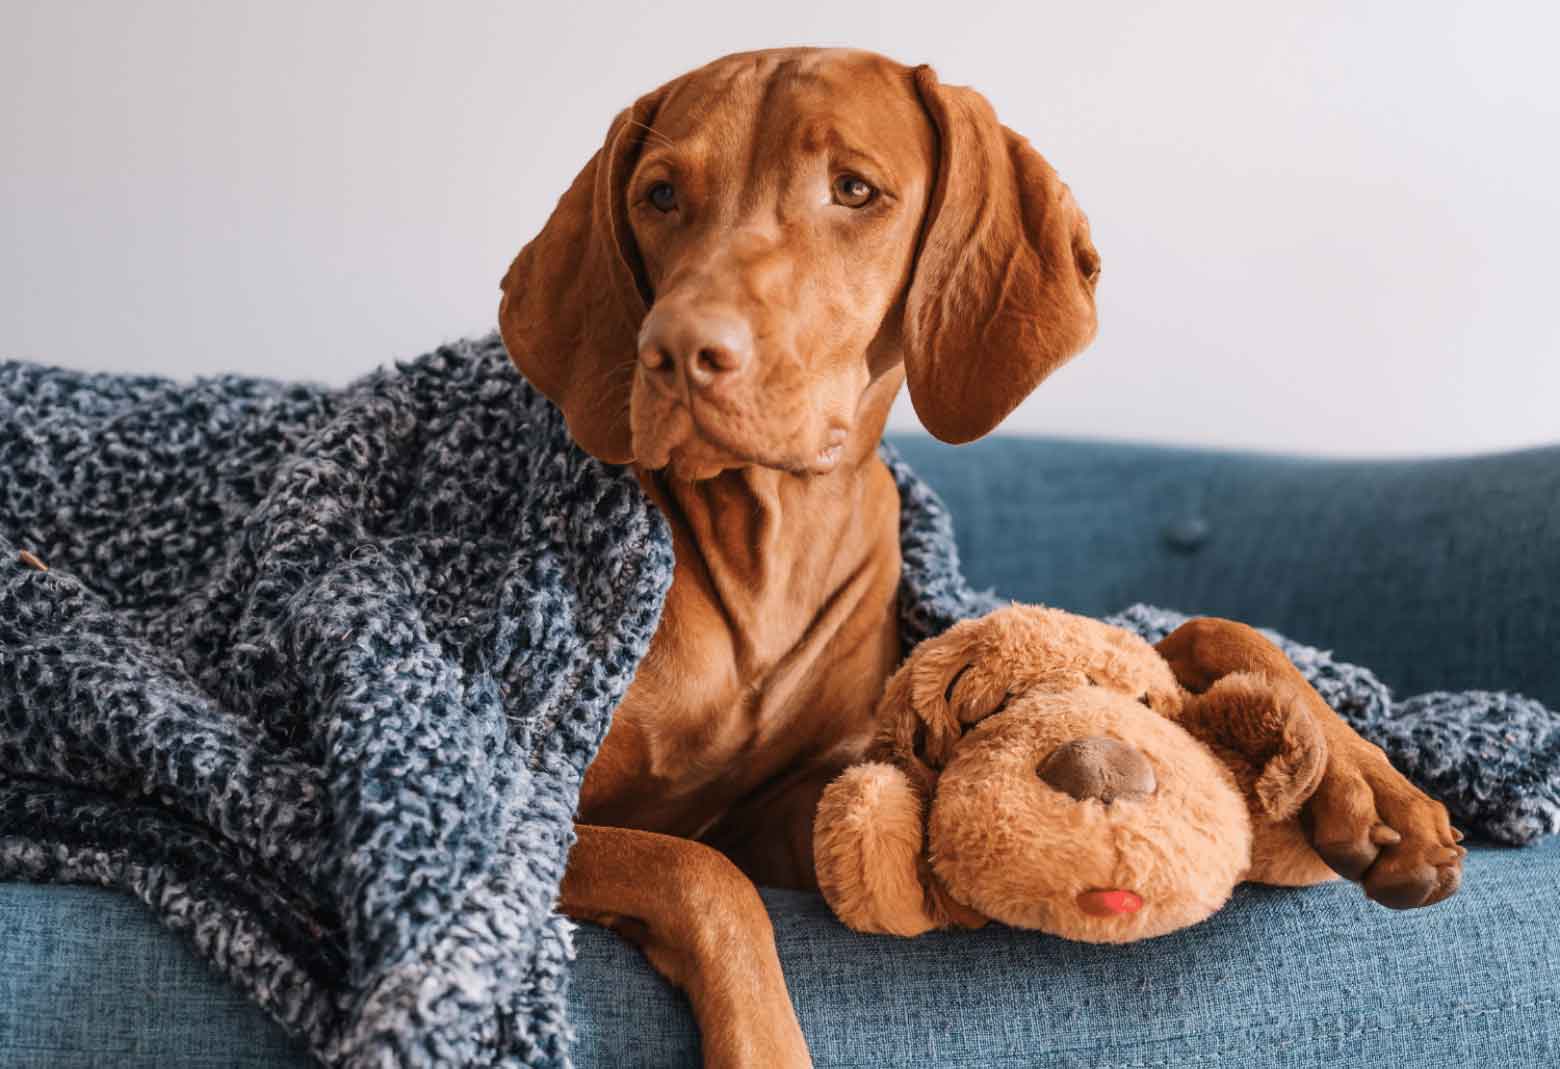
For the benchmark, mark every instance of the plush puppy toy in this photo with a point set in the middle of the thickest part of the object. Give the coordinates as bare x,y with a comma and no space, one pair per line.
1047,771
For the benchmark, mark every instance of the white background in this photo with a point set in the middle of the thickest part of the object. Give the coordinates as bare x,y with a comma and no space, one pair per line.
1326,227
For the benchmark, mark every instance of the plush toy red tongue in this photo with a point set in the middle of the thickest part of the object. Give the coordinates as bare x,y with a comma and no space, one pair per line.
1109,903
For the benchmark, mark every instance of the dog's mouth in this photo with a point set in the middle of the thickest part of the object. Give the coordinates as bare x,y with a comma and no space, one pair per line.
682,439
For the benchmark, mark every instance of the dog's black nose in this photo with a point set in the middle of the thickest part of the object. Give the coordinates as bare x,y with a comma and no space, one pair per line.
1098,767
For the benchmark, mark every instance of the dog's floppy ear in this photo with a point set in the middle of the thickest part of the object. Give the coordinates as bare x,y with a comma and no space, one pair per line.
575,296
1003,291
1266,736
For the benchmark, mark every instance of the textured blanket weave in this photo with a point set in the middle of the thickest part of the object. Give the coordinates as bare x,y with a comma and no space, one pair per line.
316,674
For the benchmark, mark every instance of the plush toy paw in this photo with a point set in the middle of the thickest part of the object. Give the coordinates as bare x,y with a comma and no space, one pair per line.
868,843
1373,826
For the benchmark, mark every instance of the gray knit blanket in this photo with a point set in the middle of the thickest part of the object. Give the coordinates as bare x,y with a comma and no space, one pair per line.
316,673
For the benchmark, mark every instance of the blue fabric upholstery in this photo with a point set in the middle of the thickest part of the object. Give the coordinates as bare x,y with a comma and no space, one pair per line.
1278,979
88,978
1436,573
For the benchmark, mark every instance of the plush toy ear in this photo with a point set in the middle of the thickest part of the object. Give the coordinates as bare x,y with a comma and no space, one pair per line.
869,839
1003,291
1265,735
575,296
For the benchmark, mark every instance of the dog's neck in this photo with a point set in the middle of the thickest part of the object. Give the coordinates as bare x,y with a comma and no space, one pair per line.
771,548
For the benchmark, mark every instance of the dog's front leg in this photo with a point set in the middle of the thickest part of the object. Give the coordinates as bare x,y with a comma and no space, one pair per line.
701,924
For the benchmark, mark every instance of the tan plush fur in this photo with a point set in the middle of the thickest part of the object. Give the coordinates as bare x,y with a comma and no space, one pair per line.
955,819
870,843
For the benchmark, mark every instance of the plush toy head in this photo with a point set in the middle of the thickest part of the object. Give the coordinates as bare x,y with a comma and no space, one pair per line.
1047,771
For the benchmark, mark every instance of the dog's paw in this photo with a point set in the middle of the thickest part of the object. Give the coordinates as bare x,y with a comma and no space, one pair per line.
1372,825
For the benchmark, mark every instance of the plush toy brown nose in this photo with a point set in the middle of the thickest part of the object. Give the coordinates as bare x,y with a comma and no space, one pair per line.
1098,767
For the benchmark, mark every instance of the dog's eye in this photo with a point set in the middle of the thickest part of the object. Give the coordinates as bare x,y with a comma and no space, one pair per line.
1145,701
853,191
662,197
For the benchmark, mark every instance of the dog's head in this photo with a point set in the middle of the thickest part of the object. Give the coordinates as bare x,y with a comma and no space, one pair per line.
761,242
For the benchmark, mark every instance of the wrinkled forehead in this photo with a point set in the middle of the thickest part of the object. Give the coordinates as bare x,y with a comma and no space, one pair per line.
749,113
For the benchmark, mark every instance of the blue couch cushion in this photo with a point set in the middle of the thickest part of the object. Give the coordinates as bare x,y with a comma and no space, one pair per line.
89,978
1280,978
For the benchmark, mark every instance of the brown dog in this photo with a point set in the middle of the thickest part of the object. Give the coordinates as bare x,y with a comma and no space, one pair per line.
728,298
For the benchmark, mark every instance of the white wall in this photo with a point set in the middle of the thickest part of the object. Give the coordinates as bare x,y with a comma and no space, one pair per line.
1324,228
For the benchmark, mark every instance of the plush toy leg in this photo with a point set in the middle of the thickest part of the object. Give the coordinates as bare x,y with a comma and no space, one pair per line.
868,838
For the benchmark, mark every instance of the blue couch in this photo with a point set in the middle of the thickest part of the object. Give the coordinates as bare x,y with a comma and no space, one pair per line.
1438,573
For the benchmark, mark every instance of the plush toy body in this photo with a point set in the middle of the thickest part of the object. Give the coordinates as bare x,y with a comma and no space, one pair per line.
1047,770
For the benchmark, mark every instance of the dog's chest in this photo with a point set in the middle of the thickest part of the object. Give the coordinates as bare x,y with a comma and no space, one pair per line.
747,681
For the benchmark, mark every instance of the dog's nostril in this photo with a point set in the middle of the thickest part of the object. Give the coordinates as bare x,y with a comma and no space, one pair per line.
711,361
1100,768
655,358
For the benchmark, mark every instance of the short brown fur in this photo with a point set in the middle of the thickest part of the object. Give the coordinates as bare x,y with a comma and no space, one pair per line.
971,274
